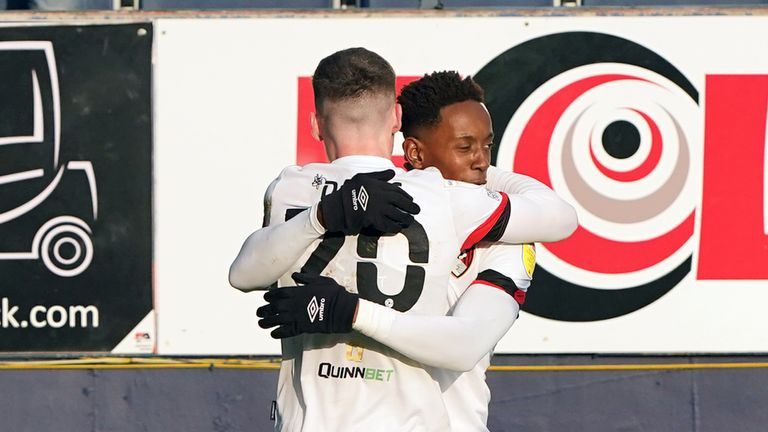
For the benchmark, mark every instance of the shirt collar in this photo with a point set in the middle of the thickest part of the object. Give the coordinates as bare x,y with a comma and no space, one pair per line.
364,161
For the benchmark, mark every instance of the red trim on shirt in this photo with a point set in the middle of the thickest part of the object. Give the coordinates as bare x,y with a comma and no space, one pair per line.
486,226
519,294
468,255
492,285
519,297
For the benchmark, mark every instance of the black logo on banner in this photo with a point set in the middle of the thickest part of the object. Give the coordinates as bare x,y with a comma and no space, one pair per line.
35,182
607,123
75,186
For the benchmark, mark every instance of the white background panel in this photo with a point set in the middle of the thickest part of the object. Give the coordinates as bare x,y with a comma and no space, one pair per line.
225,124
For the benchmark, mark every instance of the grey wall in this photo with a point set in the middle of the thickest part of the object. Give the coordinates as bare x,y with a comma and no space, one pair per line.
228,400
163,400
704,400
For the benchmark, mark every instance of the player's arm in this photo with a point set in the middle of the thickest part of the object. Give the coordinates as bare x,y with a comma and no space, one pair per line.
537,213
482,315
269,252
481,214
480,318
456,342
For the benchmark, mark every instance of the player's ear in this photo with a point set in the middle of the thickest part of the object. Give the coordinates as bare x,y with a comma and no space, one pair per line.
412,152
398,118
315,125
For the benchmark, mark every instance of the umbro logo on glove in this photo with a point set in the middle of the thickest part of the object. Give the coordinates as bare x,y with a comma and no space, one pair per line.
367,200
362,198
314,308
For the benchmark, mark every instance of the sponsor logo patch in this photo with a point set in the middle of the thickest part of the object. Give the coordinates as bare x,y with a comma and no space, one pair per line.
529,258
318,181
327,370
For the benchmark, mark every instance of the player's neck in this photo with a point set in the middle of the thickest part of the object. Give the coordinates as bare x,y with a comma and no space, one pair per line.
359,147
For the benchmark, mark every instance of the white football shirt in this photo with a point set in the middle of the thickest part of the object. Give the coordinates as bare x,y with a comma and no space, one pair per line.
505,267
351,382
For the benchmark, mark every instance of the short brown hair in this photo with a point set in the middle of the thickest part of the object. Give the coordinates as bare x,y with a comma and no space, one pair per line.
350,74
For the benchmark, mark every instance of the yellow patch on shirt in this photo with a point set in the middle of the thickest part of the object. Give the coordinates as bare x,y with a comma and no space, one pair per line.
354,353
529,258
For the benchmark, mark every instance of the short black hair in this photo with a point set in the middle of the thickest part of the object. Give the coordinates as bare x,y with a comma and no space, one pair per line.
423,99
350,74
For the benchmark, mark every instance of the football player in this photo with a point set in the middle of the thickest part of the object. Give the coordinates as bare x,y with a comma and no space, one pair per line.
335,216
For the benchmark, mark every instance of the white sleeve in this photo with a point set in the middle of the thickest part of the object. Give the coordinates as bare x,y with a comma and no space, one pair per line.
457,342
482,315
268,253
537,213
477,211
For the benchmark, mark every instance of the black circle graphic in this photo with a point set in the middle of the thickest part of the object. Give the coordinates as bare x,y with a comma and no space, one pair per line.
68,251
621,139
514,74
508,80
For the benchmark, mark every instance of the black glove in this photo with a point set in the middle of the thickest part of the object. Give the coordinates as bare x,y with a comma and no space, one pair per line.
368,201
320,306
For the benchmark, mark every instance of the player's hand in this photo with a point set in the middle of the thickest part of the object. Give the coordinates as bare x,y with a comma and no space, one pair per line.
368,201
319,306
